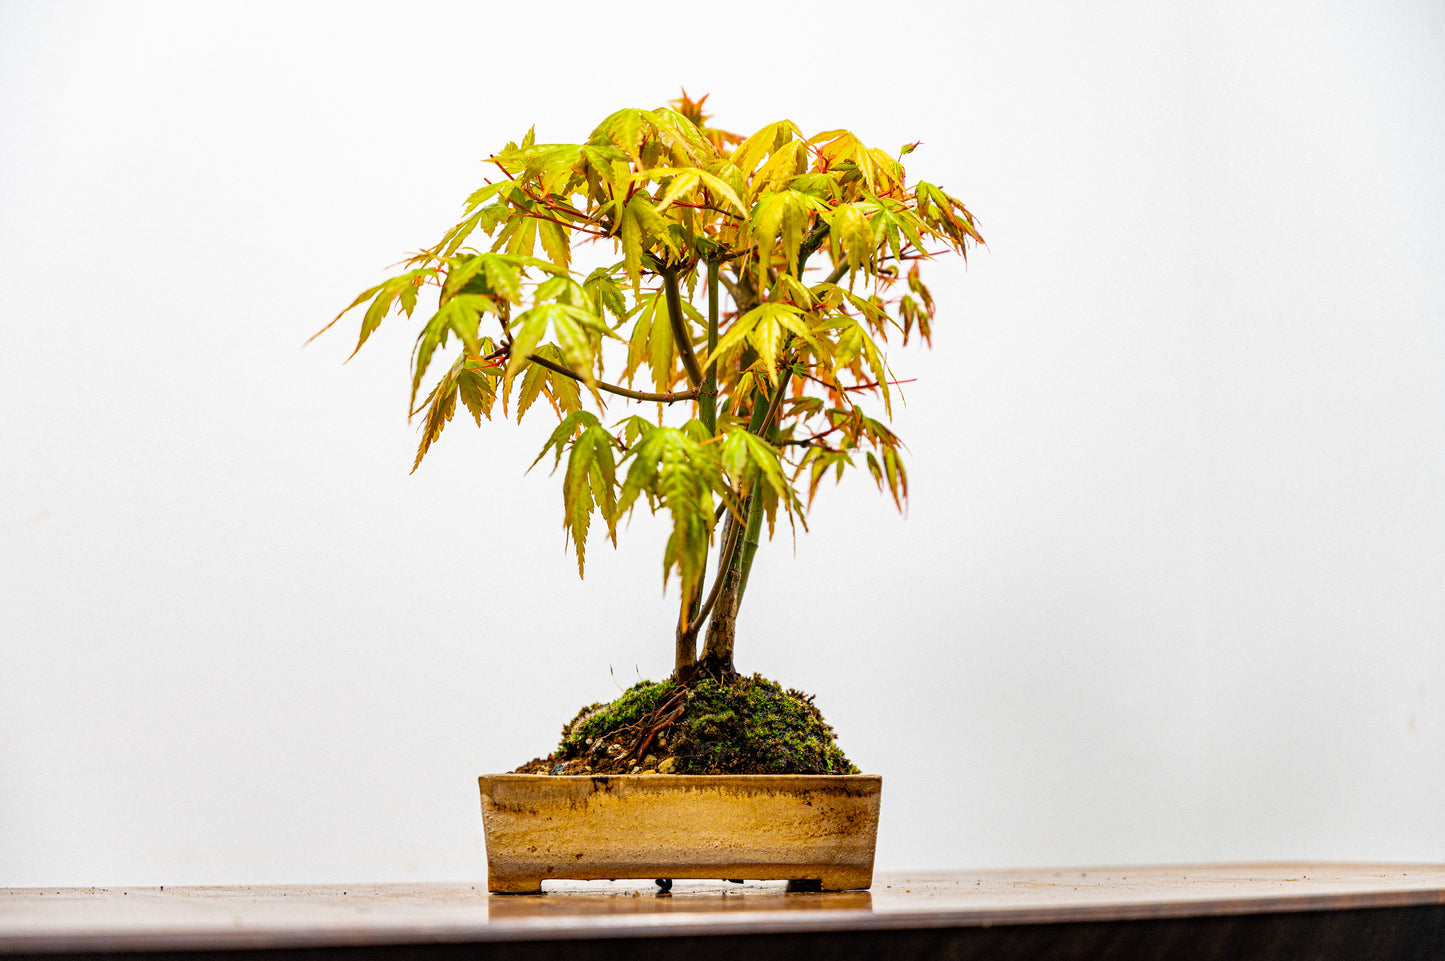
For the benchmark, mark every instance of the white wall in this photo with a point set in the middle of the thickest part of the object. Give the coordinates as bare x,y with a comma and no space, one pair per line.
1172,585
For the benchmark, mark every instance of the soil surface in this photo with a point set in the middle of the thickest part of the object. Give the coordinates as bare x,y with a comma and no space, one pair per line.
740,725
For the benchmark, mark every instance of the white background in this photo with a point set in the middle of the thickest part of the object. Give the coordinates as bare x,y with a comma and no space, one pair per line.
1172,583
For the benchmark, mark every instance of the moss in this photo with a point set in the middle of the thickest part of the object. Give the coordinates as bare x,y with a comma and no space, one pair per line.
753,726
742,726
599,720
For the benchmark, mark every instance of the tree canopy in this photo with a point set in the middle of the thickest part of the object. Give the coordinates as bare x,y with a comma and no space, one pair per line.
704,315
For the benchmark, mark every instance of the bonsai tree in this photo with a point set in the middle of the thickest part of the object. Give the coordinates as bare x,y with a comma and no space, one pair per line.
703,314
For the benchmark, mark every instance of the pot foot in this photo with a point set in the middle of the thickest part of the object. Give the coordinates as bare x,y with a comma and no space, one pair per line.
840,881
514,885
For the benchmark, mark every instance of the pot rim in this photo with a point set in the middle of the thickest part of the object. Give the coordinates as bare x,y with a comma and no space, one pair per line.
653,775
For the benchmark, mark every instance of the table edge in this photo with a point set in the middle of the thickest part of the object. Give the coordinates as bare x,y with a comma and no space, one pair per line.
675,925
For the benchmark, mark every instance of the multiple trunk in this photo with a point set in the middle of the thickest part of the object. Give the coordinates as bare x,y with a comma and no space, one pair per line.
737,546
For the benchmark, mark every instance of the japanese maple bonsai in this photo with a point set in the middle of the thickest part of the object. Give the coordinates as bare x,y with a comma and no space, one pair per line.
722,302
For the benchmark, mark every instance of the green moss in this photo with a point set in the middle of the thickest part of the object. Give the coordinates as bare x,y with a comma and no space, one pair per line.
742,726
600,720
753,726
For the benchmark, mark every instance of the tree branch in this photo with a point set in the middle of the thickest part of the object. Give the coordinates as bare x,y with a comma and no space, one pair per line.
680,338
707,402
533,214
812,242
775,405
668,398
810,441
550,205
732,288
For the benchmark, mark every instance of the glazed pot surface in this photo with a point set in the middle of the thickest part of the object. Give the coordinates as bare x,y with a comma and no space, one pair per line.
817,828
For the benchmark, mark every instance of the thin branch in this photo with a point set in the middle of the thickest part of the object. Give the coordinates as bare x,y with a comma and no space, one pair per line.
810,441
707,403
867,385
549,204
873,383
680,337
667,398
696,206
561,208
536,216
776,404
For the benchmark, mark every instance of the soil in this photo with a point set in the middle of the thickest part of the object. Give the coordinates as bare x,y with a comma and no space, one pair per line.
737,725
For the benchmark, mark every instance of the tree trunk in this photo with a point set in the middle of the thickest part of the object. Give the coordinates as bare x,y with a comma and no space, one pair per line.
685,659
722,629
685,662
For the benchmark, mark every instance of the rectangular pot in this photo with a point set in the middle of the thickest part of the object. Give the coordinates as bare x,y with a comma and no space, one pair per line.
819,829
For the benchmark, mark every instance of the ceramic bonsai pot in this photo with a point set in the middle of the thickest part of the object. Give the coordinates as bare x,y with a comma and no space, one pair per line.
815,829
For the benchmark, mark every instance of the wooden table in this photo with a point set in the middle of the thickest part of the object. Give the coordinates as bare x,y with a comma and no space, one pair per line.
1285,911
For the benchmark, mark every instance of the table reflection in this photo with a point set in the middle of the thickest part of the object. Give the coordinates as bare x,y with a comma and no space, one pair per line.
592,898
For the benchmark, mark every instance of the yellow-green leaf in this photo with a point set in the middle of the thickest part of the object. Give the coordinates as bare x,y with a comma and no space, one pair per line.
555,241
854,234
631,236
